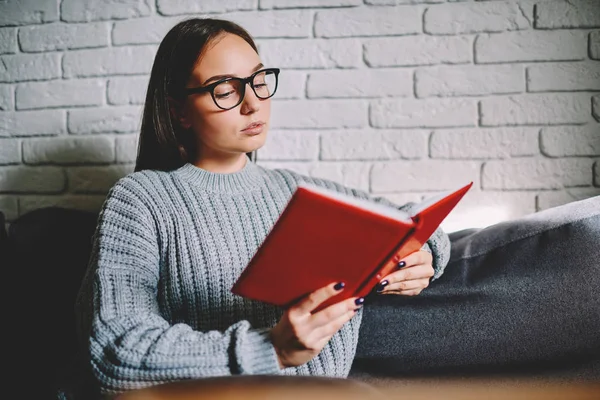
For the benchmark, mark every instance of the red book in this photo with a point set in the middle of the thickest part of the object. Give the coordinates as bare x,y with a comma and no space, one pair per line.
323,236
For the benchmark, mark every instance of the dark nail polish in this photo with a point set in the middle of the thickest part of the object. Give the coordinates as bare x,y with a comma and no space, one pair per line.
359,301
381,285
339,286
401,264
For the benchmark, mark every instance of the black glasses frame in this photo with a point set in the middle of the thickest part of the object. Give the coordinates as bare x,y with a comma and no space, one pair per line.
244,81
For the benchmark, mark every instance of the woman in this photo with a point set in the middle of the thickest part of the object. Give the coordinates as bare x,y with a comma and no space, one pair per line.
173,237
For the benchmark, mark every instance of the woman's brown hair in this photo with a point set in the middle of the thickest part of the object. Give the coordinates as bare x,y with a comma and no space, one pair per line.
163,144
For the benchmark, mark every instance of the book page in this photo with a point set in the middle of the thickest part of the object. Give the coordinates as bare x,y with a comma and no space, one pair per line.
377,208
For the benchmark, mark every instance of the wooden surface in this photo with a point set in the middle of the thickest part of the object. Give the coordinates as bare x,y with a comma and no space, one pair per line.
318,388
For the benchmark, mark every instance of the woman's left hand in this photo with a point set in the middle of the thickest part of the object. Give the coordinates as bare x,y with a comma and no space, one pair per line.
414,274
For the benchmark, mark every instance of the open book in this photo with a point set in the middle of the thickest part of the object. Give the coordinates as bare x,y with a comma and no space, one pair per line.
323,236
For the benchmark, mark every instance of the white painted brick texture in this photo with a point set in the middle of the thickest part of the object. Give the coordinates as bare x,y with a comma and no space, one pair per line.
400,98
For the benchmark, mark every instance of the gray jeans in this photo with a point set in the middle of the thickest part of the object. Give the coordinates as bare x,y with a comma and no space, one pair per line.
519,298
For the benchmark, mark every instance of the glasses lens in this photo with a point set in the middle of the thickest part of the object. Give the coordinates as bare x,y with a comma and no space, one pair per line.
227,94
265,84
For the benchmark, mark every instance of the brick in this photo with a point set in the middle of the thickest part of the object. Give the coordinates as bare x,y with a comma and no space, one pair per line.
374,145
291,145
457,18
24,12
597,174
311,53
422,175
24,179
567,14
7,98
482,143
177,7
69,150
291,84
126,148
359,21
418,50
103,120
91,203
129,90
95,179
61,36
27,123
555,108
395,2
9,207
319,114
594,45
430,113
351,174
286,23
360,83
536,173
565,141
479,209
531,46
8,40
596,107
469,80
564,76
29,67
10,151
110,61
60,93
95,10
546,200
150,30
267,4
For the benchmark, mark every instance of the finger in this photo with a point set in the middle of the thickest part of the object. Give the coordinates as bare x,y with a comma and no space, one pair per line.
415,258
315,298
421,271
412,292
324,333
334,311
407,285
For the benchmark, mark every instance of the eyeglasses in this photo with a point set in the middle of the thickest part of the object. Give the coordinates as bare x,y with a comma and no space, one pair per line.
228,93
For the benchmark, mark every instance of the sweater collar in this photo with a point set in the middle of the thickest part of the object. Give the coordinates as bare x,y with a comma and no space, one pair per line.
248,178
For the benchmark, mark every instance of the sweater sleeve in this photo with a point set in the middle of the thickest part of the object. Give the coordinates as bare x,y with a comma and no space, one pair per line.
438,244
129,344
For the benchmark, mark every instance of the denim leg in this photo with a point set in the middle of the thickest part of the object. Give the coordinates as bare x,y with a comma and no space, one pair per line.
519,297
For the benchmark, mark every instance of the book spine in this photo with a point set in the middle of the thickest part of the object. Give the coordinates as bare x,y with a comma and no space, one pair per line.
386,266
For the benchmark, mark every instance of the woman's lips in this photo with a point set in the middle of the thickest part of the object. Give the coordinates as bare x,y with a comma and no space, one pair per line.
255,130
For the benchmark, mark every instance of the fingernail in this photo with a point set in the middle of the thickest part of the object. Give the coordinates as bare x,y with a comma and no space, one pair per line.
339,286
381,285
359,301
401,264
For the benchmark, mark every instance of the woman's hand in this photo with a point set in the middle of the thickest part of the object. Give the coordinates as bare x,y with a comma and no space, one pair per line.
414,275
300,335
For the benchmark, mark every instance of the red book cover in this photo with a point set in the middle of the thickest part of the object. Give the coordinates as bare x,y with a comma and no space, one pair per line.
323,237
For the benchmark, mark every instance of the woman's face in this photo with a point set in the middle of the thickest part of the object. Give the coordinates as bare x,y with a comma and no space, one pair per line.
220,133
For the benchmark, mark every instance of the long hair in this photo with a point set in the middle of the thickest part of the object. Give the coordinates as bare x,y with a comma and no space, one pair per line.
163,144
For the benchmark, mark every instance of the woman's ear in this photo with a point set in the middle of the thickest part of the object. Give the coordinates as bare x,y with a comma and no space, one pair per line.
177,111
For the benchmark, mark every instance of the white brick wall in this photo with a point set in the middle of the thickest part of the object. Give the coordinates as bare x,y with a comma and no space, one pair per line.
402,98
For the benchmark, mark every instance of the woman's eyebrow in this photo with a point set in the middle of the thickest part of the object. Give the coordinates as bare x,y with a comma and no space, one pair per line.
217,77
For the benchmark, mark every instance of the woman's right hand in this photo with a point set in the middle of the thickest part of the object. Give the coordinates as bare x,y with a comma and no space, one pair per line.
300,335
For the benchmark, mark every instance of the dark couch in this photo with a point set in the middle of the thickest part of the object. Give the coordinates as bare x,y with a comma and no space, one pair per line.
46,251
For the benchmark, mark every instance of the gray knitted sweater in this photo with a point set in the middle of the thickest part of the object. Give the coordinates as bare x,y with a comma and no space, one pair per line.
155,304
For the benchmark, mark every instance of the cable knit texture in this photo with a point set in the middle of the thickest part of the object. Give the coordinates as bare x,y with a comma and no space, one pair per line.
155,304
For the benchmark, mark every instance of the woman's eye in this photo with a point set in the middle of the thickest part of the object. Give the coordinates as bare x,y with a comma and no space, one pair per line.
260,85
223,95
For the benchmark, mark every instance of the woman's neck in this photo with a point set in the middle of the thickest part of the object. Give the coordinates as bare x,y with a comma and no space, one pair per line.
222,166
